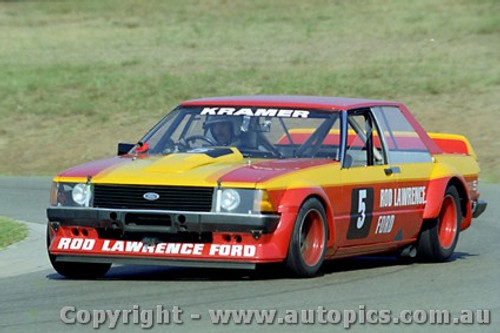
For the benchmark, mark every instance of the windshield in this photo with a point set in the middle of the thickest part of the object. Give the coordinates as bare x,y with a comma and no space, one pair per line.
255,132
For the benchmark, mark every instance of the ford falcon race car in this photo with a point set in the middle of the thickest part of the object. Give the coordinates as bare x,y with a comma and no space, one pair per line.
235,182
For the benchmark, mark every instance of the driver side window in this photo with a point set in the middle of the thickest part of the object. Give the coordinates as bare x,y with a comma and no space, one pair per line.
363,145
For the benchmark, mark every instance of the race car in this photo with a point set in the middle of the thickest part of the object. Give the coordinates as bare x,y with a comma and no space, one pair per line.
241,181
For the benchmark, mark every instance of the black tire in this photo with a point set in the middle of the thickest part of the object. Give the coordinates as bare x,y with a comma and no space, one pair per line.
306,251
76,270
439,236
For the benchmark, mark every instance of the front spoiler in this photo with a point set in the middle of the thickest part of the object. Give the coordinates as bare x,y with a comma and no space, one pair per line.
155,261
175,221
86,246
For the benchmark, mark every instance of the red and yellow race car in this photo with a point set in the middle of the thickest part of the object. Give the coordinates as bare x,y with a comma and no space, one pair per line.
233,182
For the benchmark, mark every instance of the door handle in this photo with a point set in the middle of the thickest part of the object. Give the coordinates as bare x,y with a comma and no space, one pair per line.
391,170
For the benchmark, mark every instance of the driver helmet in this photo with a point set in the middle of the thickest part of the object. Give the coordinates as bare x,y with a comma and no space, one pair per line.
235,124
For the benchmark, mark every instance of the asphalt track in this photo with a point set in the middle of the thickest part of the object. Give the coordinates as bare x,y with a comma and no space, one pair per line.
32,294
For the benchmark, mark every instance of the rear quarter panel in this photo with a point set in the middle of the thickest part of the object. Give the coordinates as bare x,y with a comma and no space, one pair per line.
462,170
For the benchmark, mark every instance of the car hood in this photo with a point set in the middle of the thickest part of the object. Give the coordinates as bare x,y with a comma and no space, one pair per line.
196,168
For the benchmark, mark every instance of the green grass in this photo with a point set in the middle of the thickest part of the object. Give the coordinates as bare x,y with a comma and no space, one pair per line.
11,232
79,76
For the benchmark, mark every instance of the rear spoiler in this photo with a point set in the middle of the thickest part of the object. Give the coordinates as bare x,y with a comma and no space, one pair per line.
453,144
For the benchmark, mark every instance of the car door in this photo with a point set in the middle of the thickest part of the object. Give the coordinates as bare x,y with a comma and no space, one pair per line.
408,155
365,218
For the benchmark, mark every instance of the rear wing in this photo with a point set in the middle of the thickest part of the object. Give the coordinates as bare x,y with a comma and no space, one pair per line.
453,144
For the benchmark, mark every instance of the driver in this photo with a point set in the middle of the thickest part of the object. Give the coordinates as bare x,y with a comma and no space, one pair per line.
222,129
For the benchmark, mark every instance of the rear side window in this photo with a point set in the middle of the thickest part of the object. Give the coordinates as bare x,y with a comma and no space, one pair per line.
404,145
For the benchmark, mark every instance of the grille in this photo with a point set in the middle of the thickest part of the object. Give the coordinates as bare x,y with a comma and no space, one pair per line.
198,199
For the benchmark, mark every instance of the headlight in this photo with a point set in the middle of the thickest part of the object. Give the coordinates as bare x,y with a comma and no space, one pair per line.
71,195
81,194
230,200
242,201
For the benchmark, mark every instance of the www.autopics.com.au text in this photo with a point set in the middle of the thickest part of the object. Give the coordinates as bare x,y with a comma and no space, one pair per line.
162,315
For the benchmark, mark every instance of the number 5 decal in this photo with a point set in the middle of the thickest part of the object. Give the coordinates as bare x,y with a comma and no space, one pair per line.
361,208
361,213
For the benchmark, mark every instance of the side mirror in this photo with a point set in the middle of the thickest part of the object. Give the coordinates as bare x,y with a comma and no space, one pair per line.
125,148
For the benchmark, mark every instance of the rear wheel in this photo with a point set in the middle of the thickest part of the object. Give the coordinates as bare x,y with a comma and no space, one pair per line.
76,270
439,237
307,246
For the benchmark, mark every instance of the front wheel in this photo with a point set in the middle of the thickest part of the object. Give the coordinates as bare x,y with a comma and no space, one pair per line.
76,270
439,236
307,246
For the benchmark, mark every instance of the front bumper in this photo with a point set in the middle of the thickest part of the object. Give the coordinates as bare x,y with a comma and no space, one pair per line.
163,221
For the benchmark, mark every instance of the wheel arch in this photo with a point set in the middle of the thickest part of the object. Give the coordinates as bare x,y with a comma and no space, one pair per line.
462,193
329,214
304,262
435,196
295,198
